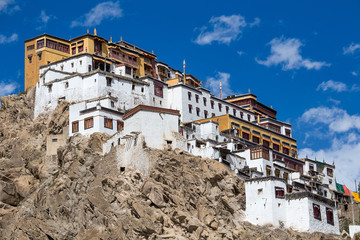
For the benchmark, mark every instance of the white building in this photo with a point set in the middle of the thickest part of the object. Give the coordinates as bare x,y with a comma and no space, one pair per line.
158,126
267,203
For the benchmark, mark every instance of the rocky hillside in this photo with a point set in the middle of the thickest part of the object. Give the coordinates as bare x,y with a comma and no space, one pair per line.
85,195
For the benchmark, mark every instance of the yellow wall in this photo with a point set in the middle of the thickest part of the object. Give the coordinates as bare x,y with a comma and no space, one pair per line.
225,124
47,55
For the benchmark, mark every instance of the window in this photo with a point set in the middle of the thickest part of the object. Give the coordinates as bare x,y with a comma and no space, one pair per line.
316,210
190,108
73,51
256,139
268,171
80,49
205,114
288,132
108,123
241,114
66,84
220,106
89,68
197,98
212,104
80,62
227,109
285,175
311,167
266,143
213,114
30,59
329,172
120,125
246,135
50,88
88,123
198,112
39,54
277,173
133,87
72,65
97,46
330,216
249,117
142,89
40,44
279,192
276,147
31,47
234,112
158,88
112,104
75,126
108,82
127,70
285,150
204,101
189,96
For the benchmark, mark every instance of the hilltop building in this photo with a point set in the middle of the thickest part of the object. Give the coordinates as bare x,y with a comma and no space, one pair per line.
122,90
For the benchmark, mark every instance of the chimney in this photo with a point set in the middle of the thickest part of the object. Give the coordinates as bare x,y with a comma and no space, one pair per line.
95,33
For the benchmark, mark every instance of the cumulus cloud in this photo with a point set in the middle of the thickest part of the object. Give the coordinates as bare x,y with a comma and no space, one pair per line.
43,19
8,6
7,88
213,83
336,119
354,73
336,86
13,38
344,131
351,49
286,52
223,29
102,11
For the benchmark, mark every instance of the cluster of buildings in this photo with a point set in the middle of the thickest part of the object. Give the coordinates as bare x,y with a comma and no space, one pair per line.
121,89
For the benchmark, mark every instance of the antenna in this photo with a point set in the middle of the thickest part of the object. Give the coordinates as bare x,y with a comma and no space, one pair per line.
220,90
184,70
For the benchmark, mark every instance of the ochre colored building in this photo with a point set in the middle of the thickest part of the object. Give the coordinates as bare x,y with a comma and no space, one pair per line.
45,49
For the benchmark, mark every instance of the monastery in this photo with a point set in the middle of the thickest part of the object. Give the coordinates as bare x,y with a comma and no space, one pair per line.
122,90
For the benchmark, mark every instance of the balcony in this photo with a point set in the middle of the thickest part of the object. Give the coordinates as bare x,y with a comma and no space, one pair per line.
259,152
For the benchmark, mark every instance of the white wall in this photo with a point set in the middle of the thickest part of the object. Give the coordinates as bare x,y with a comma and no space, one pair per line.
261,206
179,100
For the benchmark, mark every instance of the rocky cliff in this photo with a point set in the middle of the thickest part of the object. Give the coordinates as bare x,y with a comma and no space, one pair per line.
79,194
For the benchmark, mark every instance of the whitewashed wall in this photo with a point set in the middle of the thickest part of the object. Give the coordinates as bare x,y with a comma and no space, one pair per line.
179,100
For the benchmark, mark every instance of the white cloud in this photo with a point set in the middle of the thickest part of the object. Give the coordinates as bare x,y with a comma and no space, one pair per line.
286,52
224,29
43,19
354,73
213,83
240,53
332,85
351,49
102,11
7,88
336,119
336,102
13,38
336,86
344,131
8,6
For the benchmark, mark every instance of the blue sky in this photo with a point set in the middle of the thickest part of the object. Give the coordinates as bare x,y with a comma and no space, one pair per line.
301,57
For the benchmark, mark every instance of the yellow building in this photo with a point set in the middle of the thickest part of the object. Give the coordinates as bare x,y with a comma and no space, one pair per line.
45,49
256,134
